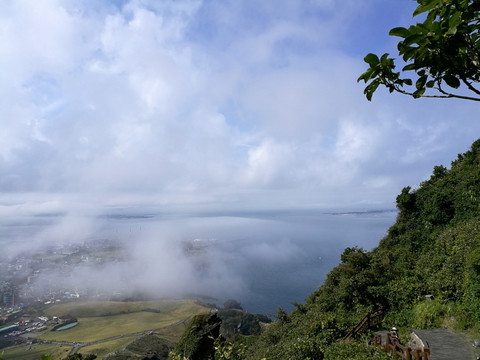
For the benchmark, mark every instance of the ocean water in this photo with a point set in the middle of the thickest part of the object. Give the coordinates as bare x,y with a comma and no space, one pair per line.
263,260
290,255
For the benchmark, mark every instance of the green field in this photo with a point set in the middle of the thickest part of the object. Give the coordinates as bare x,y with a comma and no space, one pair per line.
106,348
102,320
107,319
106,308
20,353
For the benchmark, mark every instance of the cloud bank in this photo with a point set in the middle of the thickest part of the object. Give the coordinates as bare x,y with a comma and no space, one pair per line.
200,105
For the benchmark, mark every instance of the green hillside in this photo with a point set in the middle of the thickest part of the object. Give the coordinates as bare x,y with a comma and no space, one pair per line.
433,249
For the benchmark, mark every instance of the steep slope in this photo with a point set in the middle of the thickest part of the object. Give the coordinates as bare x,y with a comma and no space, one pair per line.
432,249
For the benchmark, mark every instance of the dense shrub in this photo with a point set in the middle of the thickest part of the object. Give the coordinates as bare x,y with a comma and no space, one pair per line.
429,314
354,351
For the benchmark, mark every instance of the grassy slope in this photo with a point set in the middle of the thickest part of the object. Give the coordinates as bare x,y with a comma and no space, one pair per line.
105,308
58,352
103,320
106,348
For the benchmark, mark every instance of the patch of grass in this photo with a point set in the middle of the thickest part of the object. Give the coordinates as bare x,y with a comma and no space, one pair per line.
107,308
106,348
173,333
58,352
429,314
151,344
104,327
121,322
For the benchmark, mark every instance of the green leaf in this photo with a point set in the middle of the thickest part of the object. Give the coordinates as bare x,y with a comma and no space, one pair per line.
408,82
409,67
413,39
367,75
384,59
399,31
451,31
454,21
451,81
370,89
371,59
430,84
420,84
426,7
418,93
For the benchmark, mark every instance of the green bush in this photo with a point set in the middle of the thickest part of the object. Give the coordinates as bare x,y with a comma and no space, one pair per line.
399,318
354,351
429,314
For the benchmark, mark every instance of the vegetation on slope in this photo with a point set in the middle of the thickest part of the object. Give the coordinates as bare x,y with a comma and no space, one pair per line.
432,249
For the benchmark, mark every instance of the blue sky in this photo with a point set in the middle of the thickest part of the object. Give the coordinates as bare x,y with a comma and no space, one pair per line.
210,106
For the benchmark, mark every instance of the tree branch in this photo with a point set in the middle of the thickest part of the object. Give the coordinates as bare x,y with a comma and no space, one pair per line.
470,86
450,95
445,95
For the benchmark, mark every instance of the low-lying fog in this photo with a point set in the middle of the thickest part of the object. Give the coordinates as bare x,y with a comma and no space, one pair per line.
263,260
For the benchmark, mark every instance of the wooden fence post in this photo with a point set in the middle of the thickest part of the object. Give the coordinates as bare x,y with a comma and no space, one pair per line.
426,353
418,354
408,354
387,343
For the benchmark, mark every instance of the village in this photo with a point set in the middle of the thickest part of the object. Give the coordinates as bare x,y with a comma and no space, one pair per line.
22,298
31,282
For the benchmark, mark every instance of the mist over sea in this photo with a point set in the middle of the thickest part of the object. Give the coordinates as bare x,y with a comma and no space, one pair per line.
265,260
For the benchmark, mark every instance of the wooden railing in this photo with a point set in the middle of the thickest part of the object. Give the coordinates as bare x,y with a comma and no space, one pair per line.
392,345
371,319
403,352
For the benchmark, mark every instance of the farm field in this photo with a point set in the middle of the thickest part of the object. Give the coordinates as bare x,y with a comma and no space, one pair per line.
105,308
119,323
105,320
97,328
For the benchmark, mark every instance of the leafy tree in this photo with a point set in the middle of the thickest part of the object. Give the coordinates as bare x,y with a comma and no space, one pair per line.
406,200
443,52
240,322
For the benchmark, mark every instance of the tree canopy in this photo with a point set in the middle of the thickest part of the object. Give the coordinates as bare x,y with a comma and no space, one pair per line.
442,53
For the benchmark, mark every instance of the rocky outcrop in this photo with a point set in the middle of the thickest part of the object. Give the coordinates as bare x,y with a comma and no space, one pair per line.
199,336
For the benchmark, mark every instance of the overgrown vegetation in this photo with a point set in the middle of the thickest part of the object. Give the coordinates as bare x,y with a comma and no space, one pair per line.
432,249
236,322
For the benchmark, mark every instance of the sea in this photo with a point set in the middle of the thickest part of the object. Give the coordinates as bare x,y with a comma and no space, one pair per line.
264,260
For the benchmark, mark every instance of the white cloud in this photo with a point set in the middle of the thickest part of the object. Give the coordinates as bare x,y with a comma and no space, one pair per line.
269,164
207,103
